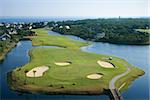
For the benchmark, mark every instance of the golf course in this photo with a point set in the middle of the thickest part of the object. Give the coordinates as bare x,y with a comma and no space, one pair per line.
68,70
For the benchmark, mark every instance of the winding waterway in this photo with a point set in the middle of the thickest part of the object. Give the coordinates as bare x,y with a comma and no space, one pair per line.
136,55
18,56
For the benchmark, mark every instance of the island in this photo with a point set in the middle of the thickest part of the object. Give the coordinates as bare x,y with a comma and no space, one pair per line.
66,69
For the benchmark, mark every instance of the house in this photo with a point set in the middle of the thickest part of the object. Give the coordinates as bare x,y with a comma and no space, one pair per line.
54,25
7,25
45,23
20,26
100,35
60,26
14,25
1,24
12,32
5,37
30,27
67,27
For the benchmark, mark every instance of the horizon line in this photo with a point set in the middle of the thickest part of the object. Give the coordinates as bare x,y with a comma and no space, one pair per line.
76,16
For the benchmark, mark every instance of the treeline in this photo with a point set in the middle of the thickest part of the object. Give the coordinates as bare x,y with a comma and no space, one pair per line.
115,30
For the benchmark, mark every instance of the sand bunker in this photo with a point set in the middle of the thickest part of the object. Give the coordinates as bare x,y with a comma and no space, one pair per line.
105,64
62,63
37,71
94,76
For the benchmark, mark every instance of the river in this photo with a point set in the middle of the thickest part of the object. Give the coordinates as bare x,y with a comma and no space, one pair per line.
136,55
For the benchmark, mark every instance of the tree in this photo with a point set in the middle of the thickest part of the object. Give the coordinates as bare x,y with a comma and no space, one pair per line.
26,71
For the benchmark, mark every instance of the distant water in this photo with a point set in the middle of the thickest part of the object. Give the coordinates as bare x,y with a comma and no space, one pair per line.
69,36
37,19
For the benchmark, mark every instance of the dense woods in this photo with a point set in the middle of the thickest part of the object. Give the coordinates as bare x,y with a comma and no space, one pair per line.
121,30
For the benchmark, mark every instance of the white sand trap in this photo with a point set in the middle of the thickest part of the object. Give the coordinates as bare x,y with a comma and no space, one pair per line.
94,76
105,64
37,71
62,63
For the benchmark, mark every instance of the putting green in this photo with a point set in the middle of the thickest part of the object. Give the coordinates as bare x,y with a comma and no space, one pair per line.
72,79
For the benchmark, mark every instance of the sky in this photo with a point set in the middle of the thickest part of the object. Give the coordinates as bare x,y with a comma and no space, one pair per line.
80,8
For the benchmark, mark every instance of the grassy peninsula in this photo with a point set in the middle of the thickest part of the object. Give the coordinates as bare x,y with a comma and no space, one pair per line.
70,79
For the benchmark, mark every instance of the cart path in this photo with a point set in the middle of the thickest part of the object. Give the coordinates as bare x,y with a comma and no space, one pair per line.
112,82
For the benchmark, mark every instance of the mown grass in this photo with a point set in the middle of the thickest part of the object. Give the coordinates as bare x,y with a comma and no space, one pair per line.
68,78
43,38
129,78
143,30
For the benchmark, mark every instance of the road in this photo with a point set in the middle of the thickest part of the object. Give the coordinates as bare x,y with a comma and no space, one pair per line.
112,82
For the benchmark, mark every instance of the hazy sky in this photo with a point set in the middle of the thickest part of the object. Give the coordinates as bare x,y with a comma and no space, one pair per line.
88,8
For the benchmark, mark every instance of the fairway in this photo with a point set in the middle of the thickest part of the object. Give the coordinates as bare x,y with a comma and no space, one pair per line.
81,72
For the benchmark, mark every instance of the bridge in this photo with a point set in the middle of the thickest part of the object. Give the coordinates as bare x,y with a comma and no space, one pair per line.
115,94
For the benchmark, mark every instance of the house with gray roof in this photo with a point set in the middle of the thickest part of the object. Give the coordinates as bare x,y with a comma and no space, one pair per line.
4,37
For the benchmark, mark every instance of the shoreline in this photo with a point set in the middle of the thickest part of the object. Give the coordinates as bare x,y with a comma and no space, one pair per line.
4,54
6,51
32,88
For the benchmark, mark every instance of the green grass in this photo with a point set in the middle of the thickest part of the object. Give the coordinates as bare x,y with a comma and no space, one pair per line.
143,30
82,65
43,38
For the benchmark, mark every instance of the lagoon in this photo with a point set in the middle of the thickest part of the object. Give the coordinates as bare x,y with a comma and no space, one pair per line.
18,56
136,55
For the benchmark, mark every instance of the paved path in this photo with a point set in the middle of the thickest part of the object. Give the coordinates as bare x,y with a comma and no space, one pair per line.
112,82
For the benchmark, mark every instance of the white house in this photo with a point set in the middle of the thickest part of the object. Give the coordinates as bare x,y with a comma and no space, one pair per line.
11,32
1,24
60,26
67,27
30,27
55,25
7,25
20,26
